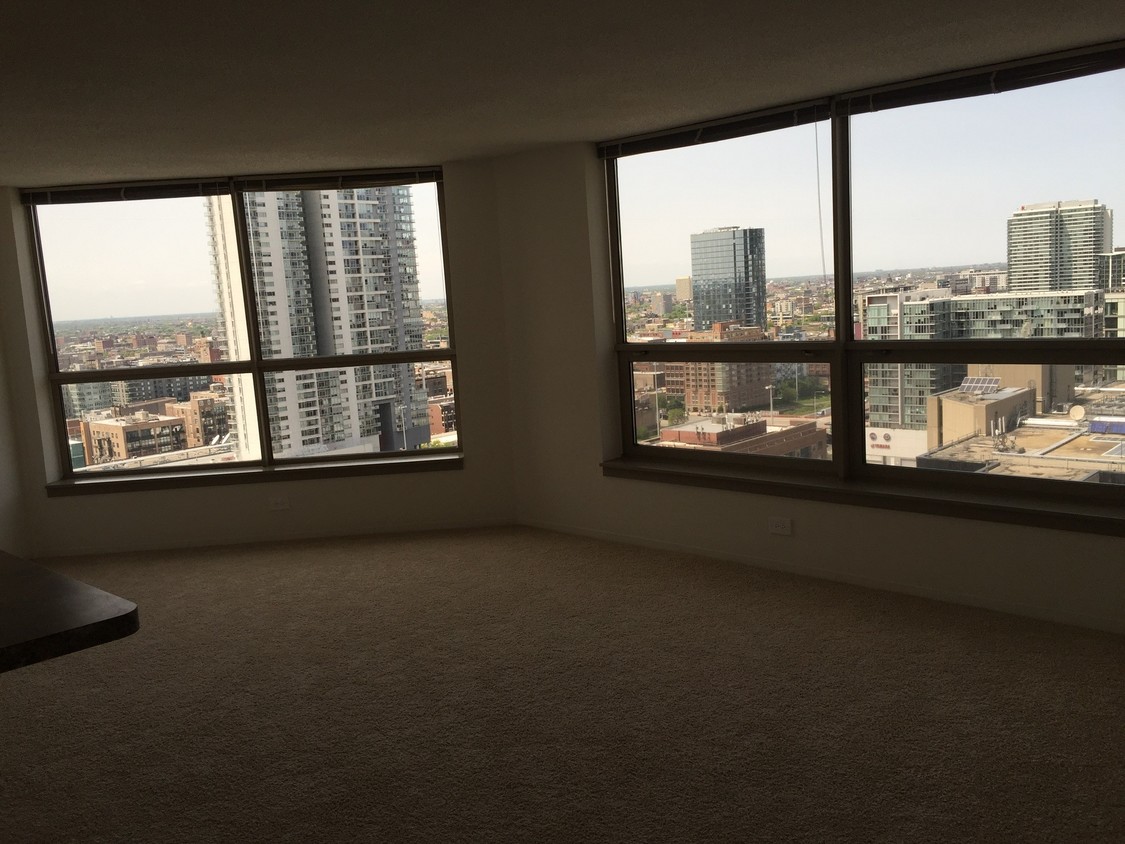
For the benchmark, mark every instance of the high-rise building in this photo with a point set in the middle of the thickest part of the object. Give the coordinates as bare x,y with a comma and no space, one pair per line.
683,288
728,277
713,386
1115,326
335,274
1111,270
898,393
79,398
1055,245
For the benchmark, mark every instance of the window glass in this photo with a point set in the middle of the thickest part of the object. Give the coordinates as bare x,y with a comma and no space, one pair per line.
779,409
1033,420
990,218
166,423
144,285
346,272
986,220
361,410
134,284
730,241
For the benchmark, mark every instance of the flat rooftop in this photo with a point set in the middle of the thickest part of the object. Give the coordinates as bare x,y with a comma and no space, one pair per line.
1050,472
136,419
1037,439
982,398
1056,454
1093,445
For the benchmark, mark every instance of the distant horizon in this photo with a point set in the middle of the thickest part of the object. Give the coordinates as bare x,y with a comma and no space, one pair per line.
181,315
879,271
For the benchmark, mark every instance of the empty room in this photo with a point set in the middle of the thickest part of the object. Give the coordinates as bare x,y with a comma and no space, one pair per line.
639,422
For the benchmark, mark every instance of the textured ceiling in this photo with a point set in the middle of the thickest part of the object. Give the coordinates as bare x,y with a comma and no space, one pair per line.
93,92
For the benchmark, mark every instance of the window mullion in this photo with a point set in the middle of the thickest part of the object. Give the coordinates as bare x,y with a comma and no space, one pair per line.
253,325
846,387
731,352
627,421
450,331
62,438
616,271
628,424
94,376
298,364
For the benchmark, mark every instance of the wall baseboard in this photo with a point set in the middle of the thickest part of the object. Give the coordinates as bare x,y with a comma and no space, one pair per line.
1041,613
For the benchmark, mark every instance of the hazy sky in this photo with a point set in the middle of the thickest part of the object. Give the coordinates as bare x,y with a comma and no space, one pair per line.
151,257
932,185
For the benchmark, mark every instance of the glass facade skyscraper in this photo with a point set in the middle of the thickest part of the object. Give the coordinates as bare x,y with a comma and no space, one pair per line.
728,277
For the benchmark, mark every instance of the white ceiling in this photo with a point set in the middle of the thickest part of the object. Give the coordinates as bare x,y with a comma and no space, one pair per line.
93,92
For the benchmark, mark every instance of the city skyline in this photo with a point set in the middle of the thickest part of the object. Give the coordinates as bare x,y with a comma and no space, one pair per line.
1033,418
932,185
150,258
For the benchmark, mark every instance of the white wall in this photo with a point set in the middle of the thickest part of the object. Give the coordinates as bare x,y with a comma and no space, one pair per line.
552,212
478,494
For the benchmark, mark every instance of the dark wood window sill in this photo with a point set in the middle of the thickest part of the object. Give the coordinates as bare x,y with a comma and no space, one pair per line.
905,494
108,483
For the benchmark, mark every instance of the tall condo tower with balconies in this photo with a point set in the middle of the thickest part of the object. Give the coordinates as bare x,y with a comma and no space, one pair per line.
1056,245
334,273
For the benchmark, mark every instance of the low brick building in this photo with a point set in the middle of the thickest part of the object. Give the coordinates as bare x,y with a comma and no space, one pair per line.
735,435
138,435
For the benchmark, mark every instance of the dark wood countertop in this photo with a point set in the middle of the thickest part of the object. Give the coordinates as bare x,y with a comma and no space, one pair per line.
44,614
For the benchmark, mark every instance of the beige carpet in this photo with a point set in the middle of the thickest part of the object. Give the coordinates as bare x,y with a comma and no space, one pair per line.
518,685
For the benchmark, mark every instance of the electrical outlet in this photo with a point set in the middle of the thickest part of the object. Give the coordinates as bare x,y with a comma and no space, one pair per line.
279,502
780,525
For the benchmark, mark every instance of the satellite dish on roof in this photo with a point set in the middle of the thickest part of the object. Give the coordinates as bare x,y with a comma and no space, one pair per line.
1077,412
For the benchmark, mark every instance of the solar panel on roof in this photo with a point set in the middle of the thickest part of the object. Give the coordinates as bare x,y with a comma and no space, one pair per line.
979,385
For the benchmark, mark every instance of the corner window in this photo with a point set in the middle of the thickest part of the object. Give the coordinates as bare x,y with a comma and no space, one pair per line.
923,276
203,327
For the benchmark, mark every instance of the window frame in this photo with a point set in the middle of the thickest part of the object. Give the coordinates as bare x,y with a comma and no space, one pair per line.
268,466
848,477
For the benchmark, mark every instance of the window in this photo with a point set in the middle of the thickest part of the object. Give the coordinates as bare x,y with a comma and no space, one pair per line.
911,291
173,349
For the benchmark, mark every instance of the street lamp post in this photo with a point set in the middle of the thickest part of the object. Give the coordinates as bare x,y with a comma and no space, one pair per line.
770,388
